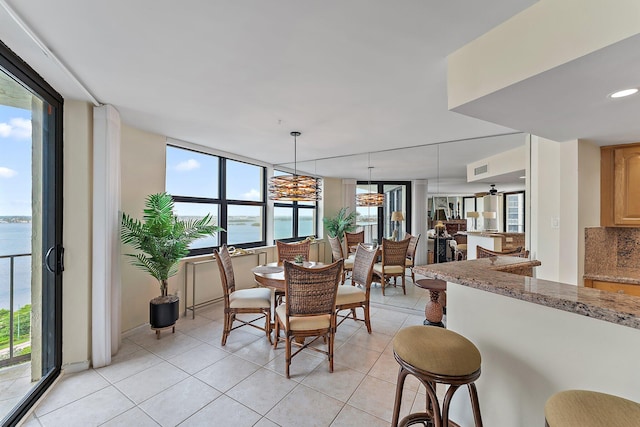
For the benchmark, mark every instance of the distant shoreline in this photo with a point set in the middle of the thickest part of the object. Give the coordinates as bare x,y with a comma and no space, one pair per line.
15,219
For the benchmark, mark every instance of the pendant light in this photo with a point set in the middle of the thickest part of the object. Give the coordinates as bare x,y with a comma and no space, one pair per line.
370,199
295,188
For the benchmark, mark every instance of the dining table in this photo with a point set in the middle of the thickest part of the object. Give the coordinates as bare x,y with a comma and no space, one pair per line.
271,275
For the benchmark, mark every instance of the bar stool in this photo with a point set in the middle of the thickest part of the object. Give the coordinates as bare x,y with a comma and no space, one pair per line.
582,408
435,355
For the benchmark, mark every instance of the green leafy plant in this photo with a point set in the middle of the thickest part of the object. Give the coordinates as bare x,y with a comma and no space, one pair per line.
162,239
341,222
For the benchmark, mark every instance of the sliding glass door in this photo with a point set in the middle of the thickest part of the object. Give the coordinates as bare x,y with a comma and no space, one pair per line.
30,236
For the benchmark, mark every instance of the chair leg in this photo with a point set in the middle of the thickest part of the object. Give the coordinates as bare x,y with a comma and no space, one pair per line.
404,289
276,333
330,351
413,275
367,318
227,328
383,281
287,357
267,324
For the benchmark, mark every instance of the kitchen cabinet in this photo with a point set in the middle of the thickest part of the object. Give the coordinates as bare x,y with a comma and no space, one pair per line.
620,288
620,185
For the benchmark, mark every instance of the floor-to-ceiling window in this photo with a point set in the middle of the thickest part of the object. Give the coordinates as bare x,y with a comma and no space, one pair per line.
30,236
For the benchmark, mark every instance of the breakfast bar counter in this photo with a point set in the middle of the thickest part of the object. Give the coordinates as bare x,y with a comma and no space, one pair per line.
537,337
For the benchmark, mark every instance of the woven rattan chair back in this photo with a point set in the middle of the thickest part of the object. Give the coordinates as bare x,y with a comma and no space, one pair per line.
363,267
353,239
336,248
289,251
413,245
226,272
311,291
394,253
486,253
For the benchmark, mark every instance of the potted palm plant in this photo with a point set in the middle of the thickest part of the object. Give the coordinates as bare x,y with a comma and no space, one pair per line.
162,240
341,222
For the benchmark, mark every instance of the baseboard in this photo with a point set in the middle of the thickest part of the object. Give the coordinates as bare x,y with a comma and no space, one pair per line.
72,368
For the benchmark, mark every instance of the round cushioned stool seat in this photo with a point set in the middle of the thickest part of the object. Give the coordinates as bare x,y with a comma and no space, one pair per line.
582,408
437,350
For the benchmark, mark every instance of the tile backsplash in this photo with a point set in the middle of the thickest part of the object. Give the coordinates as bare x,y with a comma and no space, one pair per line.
611,247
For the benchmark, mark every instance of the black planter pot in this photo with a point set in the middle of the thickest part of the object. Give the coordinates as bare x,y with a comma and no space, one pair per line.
164,311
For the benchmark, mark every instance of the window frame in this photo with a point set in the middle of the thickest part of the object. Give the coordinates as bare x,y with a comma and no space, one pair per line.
223,203
505,209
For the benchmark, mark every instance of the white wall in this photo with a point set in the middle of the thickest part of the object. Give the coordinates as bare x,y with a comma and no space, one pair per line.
545,206
143,173
535,41
569,235
530,352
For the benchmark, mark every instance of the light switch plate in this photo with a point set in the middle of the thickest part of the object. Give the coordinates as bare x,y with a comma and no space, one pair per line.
555,222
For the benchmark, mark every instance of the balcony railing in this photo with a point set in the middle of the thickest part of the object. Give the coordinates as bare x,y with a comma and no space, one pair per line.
12,359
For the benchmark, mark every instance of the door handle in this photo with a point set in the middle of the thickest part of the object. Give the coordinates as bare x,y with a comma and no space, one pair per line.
59,260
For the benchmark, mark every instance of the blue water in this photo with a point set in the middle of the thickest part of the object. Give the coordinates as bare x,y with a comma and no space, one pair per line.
15,239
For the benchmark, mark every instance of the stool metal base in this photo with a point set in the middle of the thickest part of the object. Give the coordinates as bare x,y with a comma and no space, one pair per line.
428,323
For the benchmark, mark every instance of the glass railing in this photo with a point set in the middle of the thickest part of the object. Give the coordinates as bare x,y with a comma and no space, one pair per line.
15,323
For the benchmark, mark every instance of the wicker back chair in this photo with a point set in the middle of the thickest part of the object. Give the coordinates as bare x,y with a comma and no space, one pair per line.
253,301
411,254
309,309
486,253
394,256
357,295
353,239
337,253
288,251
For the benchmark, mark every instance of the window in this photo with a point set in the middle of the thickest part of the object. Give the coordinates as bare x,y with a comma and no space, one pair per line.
376,222
514,212
294,220
233,192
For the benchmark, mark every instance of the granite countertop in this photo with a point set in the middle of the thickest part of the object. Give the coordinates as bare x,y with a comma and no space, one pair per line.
616,274
484,275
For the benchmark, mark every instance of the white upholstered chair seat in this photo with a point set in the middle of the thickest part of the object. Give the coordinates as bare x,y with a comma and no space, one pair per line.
250,298
304,323
390,269
350,295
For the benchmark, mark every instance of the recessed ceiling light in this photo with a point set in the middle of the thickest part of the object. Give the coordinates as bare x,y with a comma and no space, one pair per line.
623,93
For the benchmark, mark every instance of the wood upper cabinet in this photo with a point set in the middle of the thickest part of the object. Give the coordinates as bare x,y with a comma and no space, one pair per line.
620,185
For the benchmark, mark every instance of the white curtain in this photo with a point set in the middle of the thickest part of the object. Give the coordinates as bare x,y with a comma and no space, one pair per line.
105,306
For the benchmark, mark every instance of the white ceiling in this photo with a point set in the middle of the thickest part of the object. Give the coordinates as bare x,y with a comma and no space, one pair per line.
354,76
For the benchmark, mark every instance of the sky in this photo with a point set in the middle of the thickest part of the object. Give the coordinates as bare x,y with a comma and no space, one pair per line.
15,161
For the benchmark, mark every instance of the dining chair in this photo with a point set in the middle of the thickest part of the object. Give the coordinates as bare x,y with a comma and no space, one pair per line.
337,253
241,301
486,253
353,239
309,309
394,255
357,295
289,251
411,254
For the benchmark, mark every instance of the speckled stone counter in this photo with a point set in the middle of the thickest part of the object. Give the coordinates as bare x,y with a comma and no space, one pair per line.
487,276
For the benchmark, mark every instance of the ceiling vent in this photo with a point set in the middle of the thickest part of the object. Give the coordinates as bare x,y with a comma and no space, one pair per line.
480,170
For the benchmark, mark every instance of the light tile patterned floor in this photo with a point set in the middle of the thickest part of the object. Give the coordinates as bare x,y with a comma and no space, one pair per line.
188,379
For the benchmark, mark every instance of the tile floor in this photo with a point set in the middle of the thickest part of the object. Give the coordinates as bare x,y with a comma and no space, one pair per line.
188,379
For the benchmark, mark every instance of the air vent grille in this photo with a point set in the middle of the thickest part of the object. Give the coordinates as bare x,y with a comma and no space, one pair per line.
480,170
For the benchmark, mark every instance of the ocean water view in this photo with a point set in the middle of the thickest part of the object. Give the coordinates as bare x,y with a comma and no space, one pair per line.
15,238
